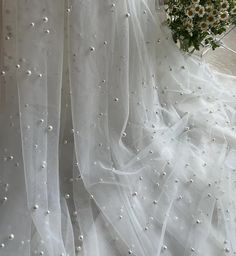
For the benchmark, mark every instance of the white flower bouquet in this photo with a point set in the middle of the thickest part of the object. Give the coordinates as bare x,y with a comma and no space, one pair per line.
198,22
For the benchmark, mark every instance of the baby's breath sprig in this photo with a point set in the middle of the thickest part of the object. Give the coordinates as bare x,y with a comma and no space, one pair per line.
198,22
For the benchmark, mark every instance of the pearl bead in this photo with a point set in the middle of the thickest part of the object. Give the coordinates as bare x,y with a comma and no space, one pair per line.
17,66
47,31
45,19
164,247
4,199
127,15
11,237
50,128
32,24
3,73
67,196
78,248
92,49
43,166
35,207
28,72
10,157
2,245
81,237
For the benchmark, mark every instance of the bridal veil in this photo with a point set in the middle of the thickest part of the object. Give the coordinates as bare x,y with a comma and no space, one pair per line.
112,141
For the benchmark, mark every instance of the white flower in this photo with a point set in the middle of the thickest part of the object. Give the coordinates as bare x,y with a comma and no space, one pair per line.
210,19
201,11
188,24
214,12
216,23
197,8
224,15
225,5
204,26
190,12
233,11
208,8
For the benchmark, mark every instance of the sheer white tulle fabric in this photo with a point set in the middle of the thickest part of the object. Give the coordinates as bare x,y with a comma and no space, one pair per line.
113,142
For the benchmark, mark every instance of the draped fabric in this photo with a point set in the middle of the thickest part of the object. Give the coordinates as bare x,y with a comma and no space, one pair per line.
112,141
